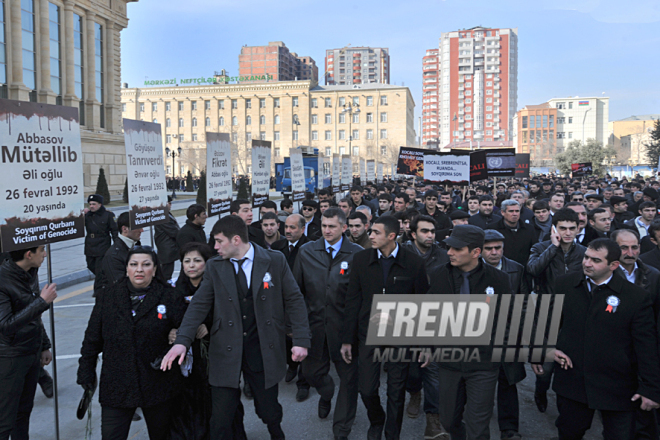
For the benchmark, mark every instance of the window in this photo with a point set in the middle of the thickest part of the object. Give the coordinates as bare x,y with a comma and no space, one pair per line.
221,104
342,118
180,122
383,100
370,100
277,119
552,121
489,116
328,118
276,135
234,103
314,103
55,48
277,152
234,137
342,135
545,136
356,134
221,121
168,106
248,120
561,105
123,107
294,101
356,100
356,152
193,105
276,102
194,122
248,103
524,137
328,151
194,136
570,119
370,134
342,150
168,122
342,102
141,107
570,135
531,121
328,135
154,106
383,134
29,44
315,119
545,121
234,120
561,120
531,136
207,105
328,102
295,135
262,120
383,117
570,105
168,138
383,150
552,134
207,122
181,138
356,118
370,117
248,136
181,106
538,136
315,135
262,102
262,135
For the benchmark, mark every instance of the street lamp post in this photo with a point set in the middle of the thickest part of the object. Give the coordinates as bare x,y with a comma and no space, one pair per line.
173,154
348,109
584,118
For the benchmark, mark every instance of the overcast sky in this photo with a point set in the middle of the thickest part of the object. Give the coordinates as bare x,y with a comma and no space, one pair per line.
571,48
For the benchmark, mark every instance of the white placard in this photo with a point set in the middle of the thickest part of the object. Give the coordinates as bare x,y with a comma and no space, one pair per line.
297,175
260,172
336,173
379,176
346,172
363,172
147,194
371,171
218,173
441,167
41,175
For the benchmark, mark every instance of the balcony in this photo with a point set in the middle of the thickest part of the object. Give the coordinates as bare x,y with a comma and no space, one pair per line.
461,112
479,47
479,63
461,80
461,104
461,88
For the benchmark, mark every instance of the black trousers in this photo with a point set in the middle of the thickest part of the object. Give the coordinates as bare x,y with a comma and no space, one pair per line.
508,408
575,420
316,372
168,270
94,263
646,425
116,422
544,380
414,383
225,401
301,382
369,384
18,383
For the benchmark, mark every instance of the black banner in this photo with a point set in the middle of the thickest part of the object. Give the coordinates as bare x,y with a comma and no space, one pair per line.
478,170
411,161
522,165
501,162
581,169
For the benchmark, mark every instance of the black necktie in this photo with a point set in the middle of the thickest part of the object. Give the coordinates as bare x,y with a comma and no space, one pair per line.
465,286
291,249
241,279
331,251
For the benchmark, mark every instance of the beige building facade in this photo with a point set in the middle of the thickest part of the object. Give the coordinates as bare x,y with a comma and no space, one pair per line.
68,52
369,121
629,137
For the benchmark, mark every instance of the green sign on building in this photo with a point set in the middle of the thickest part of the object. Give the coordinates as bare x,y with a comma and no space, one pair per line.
209,80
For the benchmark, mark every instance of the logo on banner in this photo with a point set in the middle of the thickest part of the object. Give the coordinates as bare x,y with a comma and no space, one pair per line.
494,162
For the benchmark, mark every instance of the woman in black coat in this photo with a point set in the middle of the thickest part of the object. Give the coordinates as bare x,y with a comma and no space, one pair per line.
190,420
130,325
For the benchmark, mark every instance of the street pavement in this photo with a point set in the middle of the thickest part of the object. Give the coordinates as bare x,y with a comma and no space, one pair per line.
72,310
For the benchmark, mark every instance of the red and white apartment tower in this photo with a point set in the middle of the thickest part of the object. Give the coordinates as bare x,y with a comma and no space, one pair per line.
470,87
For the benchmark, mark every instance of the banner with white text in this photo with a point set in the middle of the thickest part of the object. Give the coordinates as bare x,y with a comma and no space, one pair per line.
325,169
336,173
260,172
346,172
371,171
363,172
297,175
447,167
379,173
218,173
41,175
147,193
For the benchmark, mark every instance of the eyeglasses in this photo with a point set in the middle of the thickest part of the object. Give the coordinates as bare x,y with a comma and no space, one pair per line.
307,208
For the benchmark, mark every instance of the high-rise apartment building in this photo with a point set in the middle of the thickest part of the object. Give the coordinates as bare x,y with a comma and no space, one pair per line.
357,65
430,105
478,82
276,60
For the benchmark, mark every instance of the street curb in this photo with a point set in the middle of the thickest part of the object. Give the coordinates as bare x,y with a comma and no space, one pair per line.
71,279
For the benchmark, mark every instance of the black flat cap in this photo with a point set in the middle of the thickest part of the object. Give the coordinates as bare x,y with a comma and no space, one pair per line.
493,235
615,200
465,235
458,214
594,196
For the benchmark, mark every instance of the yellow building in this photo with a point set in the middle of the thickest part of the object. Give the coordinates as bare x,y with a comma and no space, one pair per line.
68,52
628,136
367,121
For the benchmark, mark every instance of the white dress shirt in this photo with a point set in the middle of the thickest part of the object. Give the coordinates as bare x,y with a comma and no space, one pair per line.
247,264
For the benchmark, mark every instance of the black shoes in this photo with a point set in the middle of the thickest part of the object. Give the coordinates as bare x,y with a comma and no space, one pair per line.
324,408
510,435
247,391
302,394
375,432
46,384
290,374
541,400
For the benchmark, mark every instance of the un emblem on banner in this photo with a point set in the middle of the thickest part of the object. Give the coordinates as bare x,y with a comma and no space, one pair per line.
494,162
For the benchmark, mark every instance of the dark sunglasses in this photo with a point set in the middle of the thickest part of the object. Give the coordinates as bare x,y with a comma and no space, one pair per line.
307,208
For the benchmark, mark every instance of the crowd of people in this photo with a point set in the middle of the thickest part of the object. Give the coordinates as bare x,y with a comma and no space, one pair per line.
290,295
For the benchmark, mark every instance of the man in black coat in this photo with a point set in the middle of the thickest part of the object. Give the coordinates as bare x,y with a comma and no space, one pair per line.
430,208
485,217
322,271
652,257
607,349
113,266
101,232
312,223
165,238
251,290
243,209
193,230
466,274
24,345
508,409
386,268
519,237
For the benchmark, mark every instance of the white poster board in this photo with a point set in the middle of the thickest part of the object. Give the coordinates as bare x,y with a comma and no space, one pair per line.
447,167
336,173
218,173
379,174
260,172
297,175
147,193
371,171
346,172
363,172
41,175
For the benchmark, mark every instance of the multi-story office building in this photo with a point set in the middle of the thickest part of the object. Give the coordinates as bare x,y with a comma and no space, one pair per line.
68,52
288,113
276,60
478,81
546,129
357,65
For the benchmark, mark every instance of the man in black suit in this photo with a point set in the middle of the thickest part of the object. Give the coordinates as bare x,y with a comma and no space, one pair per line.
519,237
607,349
294,227
652,258
312,223
250,289
243,209
386,268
